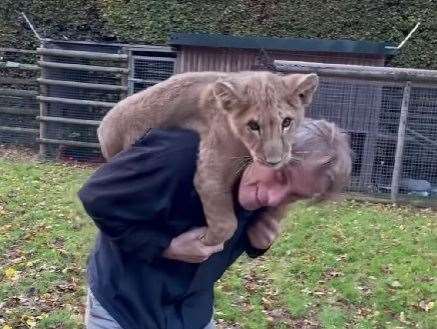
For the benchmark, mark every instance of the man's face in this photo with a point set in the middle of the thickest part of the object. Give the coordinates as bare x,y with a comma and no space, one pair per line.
262,186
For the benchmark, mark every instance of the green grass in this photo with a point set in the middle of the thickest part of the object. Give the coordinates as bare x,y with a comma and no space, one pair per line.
344,265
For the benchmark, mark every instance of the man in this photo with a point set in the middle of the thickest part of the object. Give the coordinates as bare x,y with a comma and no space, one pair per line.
149,268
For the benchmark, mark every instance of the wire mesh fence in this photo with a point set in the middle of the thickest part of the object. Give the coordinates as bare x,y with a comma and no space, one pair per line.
369,109
149,70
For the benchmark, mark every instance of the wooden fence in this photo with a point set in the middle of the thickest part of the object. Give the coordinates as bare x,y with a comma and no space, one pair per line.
79,83
18,92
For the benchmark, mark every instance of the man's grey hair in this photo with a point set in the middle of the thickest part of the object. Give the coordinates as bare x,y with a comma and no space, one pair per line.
328,145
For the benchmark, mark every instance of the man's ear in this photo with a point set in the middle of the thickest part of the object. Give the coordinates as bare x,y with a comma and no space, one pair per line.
303,85
227,95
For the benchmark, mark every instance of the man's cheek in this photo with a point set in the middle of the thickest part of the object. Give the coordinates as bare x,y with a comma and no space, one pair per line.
277,196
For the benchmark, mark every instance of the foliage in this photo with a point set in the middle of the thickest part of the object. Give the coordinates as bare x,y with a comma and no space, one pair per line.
59,19
346,265
151,21
388,20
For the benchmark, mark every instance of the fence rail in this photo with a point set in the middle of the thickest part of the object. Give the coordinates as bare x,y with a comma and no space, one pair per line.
81,54
358,71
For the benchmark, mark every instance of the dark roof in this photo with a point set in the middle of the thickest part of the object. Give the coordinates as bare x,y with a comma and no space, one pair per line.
271,43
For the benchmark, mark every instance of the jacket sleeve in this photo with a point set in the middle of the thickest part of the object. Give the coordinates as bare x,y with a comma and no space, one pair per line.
130,198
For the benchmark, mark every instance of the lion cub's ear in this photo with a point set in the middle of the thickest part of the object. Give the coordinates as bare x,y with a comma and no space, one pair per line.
227,95
303,86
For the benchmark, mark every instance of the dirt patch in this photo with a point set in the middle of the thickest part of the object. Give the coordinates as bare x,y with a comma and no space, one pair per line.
28,154
18,153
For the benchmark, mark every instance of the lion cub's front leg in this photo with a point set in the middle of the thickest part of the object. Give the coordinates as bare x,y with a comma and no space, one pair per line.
213,182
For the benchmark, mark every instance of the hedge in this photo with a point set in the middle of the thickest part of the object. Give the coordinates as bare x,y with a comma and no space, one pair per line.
151,21
60,19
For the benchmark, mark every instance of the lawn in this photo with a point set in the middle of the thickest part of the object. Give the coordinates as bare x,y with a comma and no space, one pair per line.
343,265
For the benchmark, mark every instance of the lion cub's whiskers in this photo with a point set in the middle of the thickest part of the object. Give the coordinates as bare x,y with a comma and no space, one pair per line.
241,165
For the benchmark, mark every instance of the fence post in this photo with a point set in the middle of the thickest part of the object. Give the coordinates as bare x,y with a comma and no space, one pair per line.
125,75
43,111
131,75
400,142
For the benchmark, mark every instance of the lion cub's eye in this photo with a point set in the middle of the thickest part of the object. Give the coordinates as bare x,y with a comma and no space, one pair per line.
286,122
253,125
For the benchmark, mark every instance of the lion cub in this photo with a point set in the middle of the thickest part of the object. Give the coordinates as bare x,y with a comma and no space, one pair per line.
239,116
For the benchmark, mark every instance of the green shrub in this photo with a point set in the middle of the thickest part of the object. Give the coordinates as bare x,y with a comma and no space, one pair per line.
151,21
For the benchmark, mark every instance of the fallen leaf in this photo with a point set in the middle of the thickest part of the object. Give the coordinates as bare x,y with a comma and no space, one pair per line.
395,284
11,274
31,322
426,306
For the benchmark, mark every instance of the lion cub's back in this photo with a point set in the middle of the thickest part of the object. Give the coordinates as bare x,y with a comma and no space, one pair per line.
167,103
171,103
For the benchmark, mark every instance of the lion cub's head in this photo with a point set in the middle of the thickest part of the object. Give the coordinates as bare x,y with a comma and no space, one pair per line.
264,110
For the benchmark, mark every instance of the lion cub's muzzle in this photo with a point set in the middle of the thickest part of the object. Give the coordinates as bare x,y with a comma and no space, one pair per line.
275,154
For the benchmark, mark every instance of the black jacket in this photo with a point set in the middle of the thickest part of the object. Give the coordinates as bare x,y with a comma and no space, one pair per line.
139,201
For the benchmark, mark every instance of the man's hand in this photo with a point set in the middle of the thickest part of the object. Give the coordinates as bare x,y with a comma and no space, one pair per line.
264,232
188,247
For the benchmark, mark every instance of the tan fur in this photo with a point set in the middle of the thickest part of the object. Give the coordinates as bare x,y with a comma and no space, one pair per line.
219,106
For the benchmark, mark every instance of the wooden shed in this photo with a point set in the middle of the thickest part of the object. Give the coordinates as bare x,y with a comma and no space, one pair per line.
207,52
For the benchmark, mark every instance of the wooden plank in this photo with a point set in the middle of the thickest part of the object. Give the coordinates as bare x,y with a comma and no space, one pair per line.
80,67
74,101
81,54
20,66
19,111
358,71
69,120
85,85
400,143
66,142
15,50
19,130
18,81
18,92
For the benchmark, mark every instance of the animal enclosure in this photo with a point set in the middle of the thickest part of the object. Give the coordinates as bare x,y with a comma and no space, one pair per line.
54,97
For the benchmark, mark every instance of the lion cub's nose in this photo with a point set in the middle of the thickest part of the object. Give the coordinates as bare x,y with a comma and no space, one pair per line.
273,162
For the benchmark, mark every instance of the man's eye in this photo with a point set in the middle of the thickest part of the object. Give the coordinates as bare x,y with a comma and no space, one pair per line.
286,122
253,125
